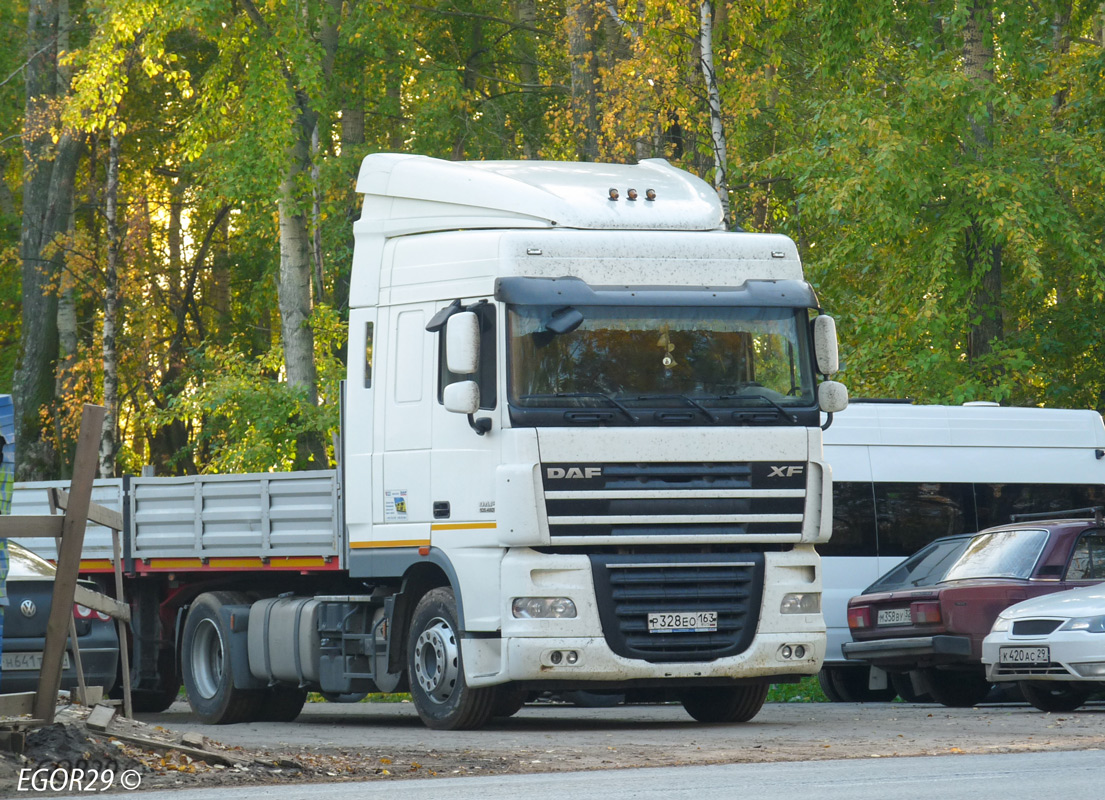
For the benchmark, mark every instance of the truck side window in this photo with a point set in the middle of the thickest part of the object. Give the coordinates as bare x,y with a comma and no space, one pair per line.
486,375
368,355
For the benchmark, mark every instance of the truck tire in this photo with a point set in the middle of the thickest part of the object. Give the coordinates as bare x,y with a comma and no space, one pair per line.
443,700
1053,695
509,700
151,701
725,703
955,688
205,662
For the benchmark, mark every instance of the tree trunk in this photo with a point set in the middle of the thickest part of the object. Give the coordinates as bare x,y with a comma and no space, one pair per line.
983,257
109,441
713,99
49,170
525,14
580,20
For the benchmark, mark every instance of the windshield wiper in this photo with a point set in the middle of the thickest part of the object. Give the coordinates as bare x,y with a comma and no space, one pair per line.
606,397
685,398
763,397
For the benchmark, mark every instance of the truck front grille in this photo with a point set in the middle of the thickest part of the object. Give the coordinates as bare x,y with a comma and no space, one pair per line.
630,587
709,500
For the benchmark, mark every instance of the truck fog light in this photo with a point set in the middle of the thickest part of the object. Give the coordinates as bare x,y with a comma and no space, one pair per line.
543,608
556,656
799,651
572,657
786,651
801,603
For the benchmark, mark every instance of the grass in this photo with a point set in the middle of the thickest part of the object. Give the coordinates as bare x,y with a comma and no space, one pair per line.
808,690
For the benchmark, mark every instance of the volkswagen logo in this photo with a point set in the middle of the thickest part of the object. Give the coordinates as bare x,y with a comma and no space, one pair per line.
28,608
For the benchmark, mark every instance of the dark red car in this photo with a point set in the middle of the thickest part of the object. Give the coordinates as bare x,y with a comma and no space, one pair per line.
933,633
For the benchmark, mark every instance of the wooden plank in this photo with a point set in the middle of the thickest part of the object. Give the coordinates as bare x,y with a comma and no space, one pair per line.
101,602
30,527
194,752
12,705
101,515
69,561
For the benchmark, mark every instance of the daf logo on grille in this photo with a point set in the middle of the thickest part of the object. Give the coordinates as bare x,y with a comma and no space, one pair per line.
556,473
785,471
28,608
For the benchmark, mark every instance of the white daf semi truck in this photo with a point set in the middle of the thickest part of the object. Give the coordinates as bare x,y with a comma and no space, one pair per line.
581,449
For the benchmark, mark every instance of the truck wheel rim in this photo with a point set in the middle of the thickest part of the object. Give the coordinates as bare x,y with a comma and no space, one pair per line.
437,660
207,659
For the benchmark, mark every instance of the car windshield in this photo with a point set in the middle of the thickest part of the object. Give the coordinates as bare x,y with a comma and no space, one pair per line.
927,566
1001,554
713,357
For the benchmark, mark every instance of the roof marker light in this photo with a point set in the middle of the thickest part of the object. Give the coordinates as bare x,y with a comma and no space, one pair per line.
613,193
650,194
631,194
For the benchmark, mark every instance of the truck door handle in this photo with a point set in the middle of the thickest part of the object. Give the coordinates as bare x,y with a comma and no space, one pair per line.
441,509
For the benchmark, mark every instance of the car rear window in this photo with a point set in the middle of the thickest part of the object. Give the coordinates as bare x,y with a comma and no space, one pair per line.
1001,554
924,568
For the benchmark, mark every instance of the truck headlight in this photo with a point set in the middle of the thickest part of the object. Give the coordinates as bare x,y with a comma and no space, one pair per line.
801,603
543,608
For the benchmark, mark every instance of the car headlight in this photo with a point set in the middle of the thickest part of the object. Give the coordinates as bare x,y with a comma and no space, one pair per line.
543,608
1001,624
1088,624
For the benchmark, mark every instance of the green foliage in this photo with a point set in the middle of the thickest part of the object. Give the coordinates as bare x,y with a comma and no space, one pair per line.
808,690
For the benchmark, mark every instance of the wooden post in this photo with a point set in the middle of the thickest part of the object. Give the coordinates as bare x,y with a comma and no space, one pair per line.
69,562
121,625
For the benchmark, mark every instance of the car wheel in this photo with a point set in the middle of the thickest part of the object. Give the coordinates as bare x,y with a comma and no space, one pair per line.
1053,695
825,679
851,684
205,657
903,685
438,689
955,688
725,703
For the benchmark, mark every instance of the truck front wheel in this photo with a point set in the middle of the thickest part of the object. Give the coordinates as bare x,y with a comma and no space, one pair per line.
443,700
725,703
205,657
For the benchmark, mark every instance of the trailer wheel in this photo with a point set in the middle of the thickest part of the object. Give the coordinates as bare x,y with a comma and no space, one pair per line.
443,700
725,703
205,657
1053,695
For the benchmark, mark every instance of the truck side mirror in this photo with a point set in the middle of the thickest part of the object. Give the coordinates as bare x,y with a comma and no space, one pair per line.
824,344
832,396
462,397
462,343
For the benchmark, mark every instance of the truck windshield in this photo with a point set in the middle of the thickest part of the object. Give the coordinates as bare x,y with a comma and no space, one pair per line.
620,358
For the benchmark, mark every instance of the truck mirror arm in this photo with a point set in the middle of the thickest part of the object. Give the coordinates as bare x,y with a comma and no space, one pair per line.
481,425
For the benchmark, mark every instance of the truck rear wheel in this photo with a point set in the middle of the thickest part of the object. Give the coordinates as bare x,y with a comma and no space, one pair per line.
205,662
282,703
725,703
443,700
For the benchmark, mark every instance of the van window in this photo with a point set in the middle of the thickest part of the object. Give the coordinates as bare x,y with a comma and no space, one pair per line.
910,515
485,312
997,502
854,532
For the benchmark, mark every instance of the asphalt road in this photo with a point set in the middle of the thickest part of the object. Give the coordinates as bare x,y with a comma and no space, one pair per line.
1068,775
